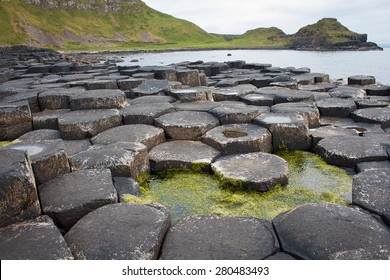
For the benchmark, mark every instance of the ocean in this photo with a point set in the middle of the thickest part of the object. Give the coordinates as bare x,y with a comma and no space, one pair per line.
338,64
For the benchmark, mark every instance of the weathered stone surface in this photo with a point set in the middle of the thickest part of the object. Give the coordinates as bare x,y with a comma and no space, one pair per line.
165,73
153,99
39,135
144,75
18,193
192,94
58,98
124,159
73,147
48,158
15,120
47,119
188,77
336,107
258,99
182,154
98,99
36,239
126,186
311,78
372,165
253,171
202,106
318,231
69,197
372,103
288,130
361,80
100,84
371,191
151,87
220,238
239,138
148,135
129,84
237,112
119,232
217,68
377,90
74,77
62,66
354,93
226,95
350,150
145,113
373,115
186,125
381,252
85,124
307,110
323,132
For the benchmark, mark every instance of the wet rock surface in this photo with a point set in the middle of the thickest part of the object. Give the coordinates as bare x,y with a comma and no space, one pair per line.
72,118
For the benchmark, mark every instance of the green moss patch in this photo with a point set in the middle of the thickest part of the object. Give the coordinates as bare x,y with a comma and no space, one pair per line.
187,193
4,143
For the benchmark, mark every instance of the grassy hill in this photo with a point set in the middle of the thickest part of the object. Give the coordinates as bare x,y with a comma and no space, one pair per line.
133,25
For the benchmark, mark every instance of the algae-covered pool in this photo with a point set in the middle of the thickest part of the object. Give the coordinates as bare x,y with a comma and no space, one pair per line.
187,193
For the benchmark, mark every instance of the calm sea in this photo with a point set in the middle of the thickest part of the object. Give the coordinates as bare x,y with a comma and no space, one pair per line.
336,64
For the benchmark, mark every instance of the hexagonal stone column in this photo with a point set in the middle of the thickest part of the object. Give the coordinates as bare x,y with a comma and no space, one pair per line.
18,193
48,158
253,171
56,99
182,154
373,115
186,125
120,231
371,190
361,80
350,150
324,231
145,113
237,112
98,99
288,130
37,239
239,138
15,120
336,107
124,159
77,125
148,135
69,197
188,77
309,111
220,238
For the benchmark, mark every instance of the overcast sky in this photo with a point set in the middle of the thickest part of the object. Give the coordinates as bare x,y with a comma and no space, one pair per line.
236,17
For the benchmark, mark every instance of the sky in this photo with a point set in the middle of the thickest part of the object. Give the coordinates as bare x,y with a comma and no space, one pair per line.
235,17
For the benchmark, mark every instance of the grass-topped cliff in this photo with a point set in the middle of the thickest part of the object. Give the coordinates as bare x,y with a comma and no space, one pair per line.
131,24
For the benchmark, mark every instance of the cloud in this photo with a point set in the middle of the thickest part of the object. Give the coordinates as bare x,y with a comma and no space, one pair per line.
236,17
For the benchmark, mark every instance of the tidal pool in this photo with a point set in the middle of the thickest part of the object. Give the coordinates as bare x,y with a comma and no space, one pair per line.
187,193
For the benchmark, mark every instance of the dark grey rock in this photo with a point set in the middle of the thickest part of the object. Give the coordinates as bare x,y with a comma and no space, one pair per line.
41,68
58,98
217,68
61,67
36,239
320,87
311,78
323,132
48,119
48,158
219,238
237,112
239,138
288,130
98,99
261,81
258,99
165,73
124,159
148,135
201,106
188,77
39,135
129,84
373,115
182,154
318,231
381,252
336,107
372,165
361,80
186,125
307,110
371,191
192,94
73,147
350,150
100,84
153,99
281,257
18,193
377,90
354,93
145,113
371,103
119,232
144,75
74,77
151,87
253,171
69,197
126,186
15,120
77,125
219,95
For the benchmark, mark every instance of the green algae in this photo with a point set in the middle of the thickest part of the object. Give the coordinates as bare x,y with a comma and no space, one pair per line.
185,192
4,143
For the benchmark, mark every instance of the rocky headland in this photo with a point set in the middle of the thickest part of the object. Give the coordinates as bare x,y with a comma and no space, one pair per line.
77,134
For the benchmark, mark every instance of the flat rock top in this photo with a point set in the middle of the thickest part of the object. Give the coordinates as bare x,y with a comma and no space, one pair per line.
373,115
219,238
187,119
316,231
87,115
119,231
253,171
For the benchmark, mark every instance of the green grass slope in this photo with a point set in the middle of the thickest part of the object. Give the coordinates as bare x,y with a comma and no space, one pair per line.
135,26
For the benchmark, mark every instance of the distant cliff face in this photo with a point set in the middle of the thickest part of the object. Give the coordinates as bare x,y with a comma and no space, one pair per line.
95,5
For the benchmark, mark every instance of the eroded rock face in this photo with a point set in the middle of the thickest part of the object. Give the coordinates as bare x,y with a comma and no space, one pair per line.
324,231
220,238
120,231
